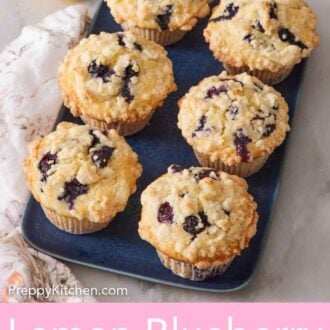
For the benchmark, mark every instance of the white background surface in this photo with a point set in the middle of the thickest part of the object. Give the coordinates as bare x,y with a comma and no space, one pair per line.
295,265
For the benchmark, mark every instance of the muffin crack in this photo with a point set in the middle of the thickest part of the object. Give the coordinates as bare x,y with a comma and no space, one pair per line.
121,39
258,26
95,140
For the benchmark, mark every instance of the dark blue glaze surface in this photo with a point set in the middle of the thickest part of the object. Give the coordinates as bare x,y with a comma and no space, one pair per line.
118,248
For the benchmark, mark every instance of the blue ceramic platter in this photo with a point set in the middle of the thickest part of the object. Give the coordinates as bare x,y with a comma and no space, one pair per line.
118,248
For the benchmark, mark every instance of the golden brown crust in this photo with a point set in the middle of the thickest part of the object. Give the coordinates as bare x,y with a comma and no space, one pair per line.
233,119
72,154
225,211
262,35
116,78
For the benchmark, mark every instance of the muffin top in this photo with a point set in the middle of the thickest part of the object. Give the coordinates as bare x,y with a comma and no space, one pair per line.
83,173
159,15
198,215
262,34
116,77
233,118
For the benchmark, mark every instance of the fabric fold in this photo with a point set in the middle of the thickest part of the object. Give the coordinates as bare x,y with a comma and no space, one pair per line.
29,104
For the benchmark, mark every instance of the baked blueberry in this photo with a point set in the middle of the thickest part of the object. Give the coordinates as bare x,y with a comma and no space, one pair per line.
101,157
164,18
241,141
273,11
201,125
190,225
194,225
72,190
46,162
233,110
138,46
214,91
100,71
262,115
176,169
269,129
229,13
287,36
95,139
205,173
125,91
121,40
165,213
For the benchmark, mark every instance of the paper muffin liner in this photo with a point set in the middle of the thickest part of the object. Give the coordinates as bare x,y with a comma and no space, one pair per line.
73,225
191,272
267,77
243,169
123,129
164,38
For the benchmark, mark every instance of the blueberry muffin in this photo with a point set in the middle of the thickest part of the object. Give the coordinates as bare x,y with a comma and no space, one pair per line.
233,123
81,177
116,81
266,38
198,220
165,21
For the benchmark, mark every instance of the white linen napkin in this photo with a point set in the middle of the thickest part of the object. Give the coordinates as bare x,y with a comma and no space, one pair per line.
29,103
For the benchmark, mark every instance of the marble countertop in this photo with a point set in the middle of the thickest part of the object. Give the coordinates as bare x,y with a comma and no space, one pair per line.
294,265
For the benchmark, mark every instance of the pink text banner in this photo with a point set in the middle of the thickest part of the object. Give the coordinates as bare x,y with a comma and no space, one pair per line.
165,317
